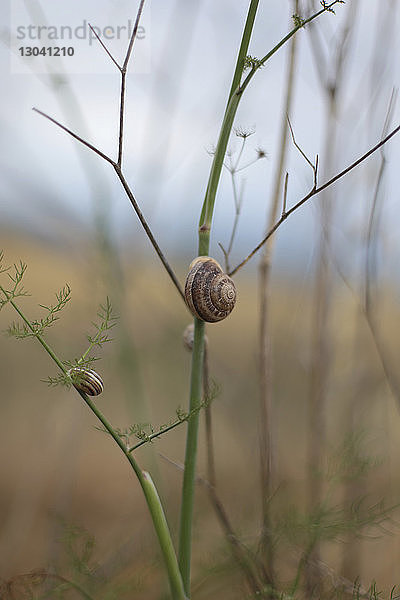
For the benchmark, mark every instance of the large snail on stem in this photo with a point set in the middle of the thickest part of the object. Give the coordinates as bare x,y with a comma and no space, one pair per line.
210,294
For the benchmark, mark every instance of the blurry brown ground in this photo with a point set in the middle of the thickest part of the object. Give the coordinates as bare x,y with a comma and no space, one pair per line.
57,471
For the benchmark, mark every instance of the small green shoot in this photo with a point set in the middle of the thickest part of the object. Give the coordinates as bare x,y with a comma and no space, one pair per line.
106,321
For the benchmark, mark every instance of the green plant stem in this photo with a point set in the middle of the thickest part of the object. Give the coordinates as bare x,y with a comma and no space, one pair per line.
189,475
37,336
234,96
164,537
287,37
152,499
186,516
152,436
154,505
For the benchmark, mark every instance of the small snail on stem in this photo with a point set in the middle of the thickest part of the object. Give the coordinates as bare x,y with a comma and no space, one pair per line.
188,338
210,294
86,380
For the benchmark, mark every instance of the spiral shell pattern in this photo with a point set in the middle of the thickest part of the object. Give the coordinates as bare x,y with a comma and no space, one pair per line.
210,294
86,380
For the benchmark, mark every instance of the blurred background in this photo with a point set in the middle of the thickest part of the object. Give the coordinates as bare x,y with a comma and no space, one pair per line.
329,379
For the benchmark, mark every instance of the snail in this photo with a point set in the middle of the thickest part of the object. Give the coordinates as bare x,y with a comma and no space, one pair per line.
210,294
188,338
86,380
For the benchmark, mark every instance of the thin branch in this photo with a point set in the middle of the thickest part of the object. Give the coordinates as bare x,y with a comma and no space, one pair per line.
346,170
123,82
312,193
123,71
121,117
297,145
129,194
316,171
237,197
236,93
76,136
285,194
133,36
266,438
156,434
238,200
369,258
241,553
105,48
147,229
300,25
179,421
226,256
238,194
235,167
117,165
247,165
391,378
389,373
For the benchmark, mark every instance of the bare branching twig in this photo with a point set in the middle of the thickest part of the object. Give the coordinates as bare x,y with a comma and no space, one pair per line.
312,193
117,165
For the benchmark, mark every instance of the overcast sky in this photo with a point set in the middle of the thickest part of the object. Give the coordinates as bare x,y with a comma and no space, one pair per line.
176,93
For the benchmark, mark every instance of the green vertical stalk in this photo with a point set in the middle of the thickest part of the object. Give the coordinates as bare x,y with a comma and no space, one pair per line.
185,532
189,477
164,536
234,96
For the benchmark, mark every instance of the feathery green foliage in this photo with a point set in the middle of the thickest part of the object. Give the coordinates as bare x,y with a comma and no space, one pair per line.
38,326
107,320
16,290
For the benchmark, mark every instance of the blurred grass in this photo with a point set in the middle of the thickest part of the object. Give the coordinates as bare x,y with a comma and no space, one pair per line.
57,468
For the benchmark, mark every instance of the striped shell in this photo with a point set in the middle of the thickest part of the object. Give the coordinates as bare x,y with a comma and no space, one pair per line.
86,380
210,294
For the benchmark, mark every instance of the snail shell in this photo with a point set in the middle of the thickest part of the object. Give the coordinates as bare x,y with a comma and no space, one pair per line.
210,294
188,337
86,380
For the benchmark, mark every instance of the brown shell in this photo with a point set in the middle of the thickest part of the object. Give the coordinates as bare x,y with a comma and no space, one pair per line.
87,381
210,294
